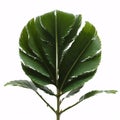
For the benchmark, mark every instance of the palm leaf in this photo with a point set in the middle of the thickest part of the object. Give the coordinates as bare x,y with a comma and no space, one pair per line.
54,49
54,52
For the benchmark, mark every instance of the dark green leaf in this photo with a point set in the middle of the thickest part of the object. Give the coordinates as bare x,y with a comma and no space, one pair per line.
90,94
34,40
34,64
48,23
78,81
36,77
89,64
65,22
45,89
73,92
23,42
70,37
43,34
53,52
22,83
74,57
73,32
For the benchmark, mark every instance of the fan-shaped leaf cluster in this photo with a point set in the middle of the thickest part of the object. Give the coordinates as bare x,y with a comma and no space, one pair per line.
53,51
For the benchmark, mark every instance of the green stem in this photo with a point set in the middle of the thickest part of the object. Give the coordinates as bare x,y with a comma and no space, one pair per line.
58,106
57,70
70,107
46,102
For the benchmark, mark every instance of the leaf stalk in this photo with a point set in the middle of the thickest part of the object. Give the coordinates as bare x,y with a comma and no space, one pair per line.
46,102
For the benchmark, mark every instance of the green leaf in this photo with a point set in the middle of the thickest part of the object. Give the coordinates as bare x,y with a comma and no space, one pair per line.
47,42
34,43
64,29
78,81
89,64
22,83
23,42
77,54
48,22
89,95
54,51
70,37
73,92
34,64
73,32
110,91
45,89
95,92
35,76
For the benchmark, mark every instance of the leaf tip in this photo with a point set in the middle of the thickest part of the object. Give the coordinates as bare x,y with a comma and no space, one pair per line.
111,91
6,84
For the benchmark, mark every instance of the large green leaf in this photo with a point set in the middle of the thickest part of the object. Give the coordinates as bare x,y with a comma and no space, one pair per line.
53,51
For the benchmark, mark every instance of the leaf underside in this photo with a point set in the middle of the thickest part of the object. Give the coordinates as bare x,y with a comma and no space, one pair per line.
22,83
54,52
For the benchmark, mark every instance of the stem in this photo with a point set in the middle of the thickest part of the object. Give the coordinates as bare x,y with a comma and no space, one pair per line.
70,106
46,102
58,105
57,70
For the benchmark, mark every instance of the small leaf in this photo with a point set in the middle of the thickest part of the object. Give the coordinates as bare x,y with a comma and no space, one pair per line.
48,23
35,76
45,89
95,92
74,91
23,42
72,34
22,83
89,64
78,81
64,23
34,64
90,94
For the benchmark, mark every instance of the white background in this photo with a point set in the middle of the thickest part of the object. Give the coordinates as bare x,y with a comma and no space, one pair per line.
22,104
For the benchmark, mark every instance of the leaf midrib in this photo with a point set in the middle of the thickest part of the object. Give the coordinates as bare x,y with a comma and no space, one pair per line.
56,47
